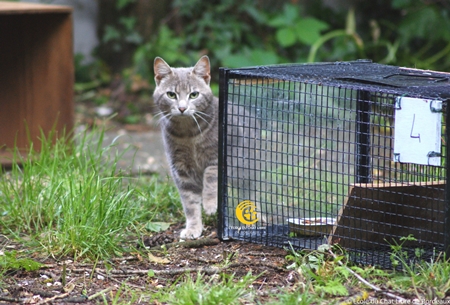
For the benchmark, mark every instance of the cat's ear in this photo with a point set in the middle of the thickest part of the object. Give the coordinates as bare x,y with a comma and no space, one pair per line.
161,69
202,68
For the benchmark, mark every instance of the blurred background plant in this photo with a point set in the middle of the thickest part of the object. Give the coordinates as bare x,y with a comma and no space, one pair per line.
237,33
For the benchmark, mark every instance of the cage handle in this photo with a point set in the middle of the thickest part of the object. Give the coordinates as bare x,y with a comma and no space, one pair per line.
436,79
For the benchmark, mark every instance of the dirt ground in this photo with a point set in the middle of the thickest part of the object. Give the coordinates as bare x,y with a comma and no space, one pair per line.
68,282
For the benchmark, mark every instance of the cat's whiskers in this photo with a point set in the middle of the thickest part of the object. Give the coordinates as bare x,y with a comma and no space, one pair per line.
198,125
163,116
205,114
161,113
198,113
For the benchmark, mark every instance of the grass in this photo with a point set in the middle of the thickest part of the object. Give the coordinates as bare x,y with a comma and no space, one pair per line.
72,200
221,289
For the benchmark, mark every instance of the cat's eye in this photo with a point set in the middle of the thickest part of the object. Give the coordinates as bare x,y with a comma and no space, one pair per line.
194,95
171,95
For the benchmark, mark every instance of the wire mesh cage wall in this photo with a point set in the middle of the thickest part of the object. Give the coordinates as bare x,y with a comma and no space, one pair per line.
351,153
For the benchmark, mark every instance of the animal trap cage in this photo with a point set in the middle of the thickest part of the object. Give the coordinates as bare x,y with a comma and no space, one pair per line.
352,153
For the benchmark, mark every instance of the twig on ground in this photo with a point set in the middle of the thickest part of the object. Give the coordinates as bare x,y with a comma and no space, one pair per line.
262,283
207,261
206,270
100,293
12,300
114,259
125,258
253,253
49,300
42,293
198,243
121,282
372,286
68,289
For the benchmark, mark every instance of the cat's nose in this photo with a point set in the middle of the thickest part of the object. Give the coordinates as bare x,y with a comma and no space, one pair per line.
182,109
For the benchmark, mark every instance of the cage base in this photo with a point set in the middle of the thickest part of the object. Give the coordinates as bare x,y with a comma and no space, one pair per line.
278,236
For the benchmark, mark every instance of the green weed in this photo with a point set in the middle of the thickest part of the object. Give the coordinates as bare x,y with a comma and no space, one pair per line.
425,279
320,272
11,261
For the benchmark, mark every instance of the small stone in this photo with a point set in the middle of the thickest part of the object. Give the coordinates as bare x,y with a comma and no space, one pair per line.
103,111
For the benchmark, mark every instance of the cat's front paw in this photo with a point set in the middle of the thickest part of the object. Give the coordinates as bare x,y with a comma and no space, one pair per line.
191,233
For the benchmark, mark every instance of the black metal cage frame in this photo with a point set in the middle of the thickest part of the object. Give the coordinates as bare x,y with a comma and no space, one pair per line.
283,103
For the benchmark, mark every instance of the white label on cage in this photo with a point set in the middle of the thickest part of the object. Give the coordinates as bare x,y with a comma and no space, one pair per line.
417,131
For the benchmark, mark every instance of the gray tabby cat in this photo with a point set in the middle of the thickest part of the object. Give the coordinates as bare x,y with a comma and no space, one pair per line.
189,123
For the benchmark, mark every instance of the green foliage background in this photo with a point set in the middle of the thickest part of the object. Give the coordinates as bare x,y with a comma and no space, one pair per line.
237,33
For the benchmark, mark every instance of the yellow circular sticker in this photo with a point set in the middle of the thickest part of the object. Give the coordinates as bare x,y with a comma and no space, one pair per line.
246,212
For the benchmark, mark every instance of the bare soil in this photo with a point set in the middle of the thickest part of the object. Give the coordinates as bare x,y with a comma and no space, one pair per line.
162,262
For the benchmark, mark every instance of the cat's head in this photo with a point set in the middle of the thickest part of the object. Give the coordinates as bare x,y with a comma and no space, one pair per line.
182,92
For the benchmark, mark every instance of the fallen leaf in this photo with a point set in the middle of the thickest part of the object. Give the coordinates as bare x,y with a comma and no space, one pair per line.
158,260
157,226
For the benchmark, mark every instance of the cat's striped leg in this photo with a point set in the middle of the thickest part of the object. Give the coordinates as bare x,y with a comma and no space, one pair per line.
209,195
191,197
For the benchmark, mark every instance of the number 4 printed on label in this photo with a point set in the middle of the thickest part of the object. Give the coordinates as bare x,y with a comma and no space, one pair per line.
412,129
417,131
